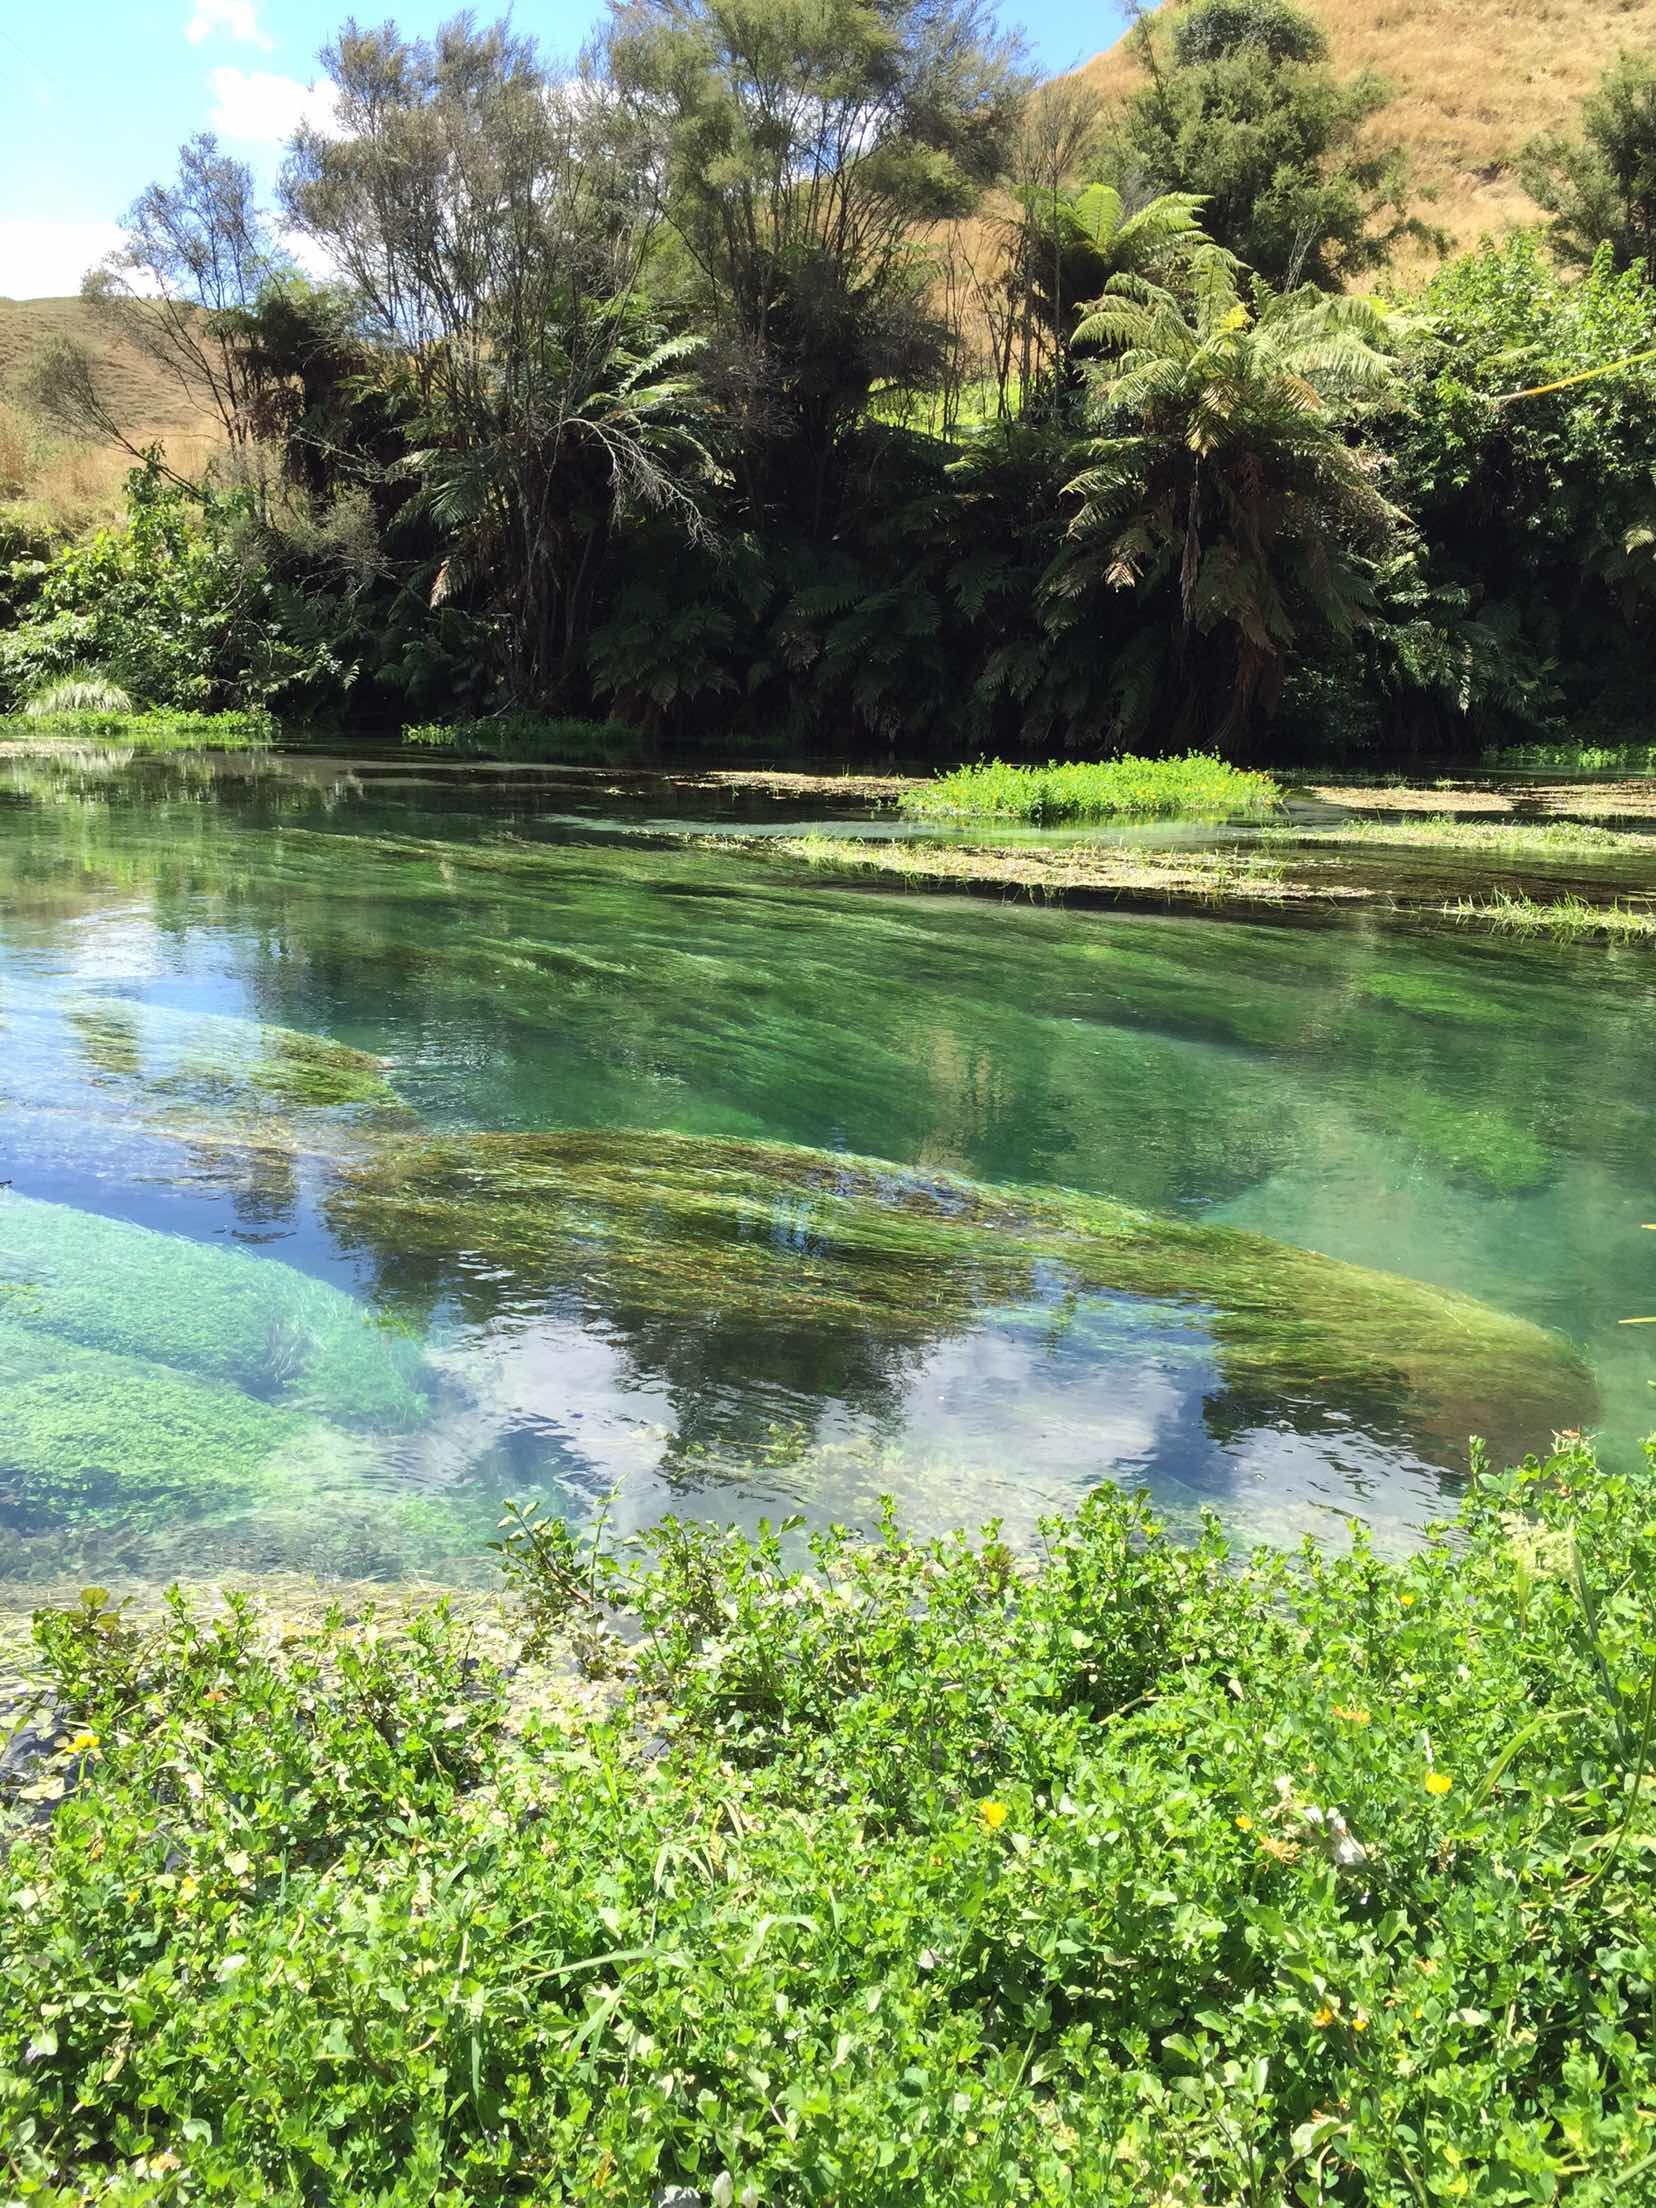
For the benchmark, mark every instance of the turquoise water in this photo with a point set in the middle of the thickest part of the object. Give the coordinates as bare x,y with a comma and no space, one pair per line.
239,1009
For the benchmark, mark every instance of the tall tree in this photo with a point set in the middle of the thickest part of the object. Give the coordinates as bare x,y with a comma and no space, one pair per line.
805,148
1221,489
1062,250
1600,187
490,220
1241,107
194,259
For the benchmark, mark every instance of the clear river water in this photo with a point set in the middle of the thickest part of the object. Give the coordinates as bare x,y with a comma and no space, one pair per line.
382,1142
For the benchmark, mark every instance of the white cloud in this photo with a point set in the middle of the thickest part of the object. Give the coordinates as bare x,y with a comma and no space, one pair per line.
239,17
309,257
41,259
258,107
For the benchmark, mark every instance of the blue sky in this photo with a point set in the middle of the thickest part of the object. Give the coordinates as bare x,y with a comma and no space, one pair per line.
96,96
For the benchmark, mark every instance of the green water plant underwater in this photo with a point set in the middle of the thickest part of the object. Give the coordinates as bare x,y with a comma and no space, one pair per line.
219,1314
715,1257
149,1381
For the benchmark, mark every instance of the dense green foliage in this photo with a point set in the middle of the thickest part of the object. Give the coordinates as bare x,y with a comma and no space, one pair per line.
1305,1879
1579,758
156,731
1600,187
614,408
1198,788
1528,584
1242,107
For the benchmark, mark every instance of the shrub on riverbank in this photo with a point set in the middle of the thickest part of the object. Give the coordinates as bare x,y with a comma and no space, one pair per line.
1200,787
160,731
1143,1876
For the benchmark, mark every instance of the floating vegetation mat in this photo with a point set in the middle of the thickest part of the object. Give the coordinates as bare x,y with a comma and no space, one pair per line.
1567,919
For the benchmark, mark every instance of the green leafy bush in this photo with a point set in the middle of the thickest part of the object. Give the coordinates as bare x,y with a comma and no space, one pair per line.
89,693
1200,787
1151,1873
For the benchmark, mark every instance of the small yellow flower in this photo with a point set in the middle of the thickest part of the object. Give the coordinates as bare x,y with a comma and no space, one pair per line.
81,1743
1244,1824
1351,1716
1359,2022
1438,1782
1406,1600
994,1814
1323,2018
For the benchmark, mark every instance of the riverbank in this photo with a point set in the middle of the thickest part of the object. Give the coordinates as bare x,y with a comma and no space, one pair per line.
1130,1873
32,735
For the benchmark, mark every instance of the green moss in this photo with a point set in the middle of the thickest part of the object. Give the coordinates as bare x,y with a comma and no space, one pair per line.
784,1260
212,1313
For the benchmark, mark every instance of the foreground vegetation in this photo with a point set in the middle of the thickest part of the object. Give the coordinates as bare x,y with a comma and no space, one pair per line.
1148,1873
155,731
1199,786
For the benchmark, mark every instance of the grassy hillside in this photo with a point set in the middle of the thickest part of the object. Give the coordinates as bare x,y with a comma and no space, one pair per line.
62,483
1473,79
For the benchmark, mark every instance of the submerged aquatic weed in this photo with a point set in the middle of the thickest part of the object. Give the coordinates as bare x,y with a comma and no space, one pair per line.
943,1882
89,1439
1201,786
208,1312
719,1260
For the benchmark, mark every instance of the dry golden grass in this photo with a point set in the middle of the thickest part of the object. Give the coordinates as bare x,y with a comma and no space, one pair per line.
64,484
1473,80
